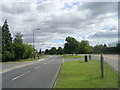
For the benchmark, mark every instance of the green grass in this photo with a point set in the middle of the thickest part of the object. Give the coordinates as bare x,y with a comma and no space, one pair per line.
24,60
72,57
80,74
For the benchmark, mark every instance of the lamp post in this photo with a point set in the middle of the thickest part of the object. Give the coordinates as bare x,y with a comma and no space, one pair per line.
34,40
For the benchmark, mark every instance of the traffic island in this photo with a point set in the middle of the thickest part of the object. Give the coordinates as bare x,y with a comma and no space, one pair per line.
79,74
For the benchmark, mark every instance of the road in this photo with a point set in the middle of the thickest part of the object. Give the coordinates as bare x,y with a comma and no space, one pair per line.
111,59
37,75
42,74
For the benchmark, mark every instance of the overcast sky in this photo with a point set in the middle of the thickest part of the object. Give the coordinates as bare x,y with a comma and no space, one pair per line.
96,22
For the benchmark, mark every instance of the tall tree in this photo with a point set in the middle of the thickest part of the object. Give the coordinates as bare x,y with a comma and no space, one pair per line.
84,46
7,49
104,45
46,51
60,50
19,48
53,50
71,46
28,50
40,52
18,38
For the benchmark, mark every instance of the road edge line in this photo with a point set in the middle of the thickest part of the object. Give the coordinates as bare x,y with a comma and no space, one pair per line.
56,77
112,67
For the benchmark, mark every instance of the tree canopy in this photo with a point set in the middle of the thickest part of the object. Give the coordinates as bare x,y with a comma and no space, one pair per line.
16,49
7,47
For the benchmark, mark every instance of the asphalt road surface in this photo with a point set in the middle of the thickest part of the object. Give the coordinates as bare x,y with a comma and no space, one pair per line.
37,75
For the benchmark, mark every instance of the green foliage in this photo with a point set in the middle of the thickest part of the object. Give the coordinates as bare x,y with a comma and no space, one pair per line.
18,51
7,56
46,51
71,46
21,49
28,52
60,51
53,50
84,46
7,46
118,45
18,38
100,48
40,52
18,46
15,50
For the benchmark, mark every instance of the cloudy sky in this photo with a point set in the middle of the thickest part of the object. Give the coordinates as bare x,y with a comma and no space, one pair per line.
96,22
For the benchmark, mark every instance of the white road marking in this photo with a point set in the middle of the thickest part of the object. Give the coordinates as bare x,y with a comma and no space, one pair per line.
20,75
19,66
45,63
37,67
63,60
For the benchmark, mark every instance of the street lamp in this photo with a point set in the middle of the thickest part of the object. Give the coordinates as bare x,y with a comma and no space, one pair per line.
34,40
33,37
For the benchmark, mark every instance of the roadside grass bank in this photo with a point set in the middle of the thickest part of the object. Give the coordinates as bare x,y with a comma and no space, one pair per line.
72,56
25,60
80,74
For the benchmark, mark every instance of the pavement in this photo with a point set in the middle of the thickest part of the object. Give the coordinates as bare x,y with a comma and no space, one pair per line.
73,59
111,59
36,75
8,66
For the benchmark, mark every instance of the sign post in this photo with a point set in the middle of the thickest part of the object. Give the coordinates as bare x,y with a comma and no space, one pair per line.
102,65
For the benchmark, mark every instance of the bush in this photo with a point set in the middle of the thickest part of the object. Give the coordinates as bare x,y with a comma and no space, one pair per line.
7,56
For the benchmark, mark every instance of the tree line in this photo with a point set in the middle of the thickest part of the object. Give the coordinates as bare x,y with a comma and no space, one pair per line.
14,49
72,46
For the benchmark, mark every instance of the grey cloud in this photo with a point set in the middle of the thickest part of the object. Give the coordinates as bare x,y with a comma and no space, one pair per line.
45,7
98,8
53,26
16,8
107,34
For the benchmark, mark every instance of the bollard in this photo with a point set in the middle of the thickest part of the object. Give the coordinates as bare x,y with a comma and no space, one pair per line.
38,57
102,65
34,57
86,60
89,57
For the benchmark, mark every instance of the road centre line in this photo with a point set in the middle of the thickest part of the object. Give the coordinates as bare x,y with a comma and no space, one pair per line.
63,60
45,63
20,76
37,67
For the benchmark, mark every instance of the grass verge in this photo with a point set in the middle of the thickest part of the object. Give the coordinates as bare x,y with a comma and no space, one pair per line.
79,74
24,60
72,57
